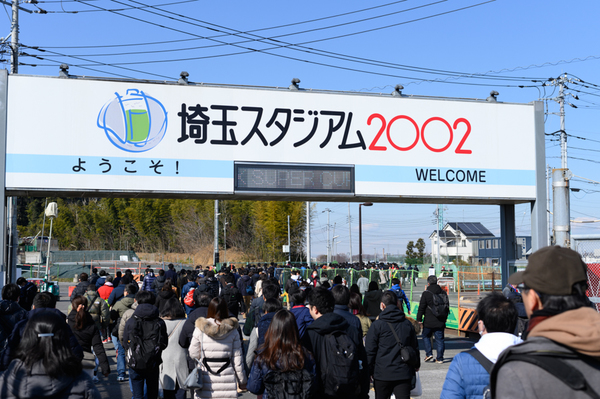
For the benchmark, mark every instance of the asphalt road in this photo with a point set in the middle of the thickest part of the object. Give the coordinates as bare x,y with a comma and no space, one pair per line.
432,374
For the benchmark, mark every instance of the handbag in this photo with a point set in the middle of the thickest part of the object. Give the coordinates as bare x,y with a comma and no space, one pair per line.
407,353
418,389
194,379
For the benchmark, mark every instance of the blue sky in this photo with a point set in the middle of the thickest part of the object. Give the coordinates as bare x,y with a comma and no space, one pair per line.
518,40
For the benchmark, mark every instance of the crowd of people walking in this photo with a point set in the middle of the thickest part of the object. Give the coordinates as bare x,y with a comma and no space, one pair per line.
180,334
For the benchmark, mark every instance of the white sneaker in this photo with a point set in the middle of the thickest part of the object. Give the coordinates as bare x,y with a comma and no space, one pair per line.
121,379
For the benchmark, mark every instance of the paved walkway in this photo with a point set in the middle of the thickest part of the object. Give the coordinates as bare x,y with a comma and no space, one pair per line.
432,374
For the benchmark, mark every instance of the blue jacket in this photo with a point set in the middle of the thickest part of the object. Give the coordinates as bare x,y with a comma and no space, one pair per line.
303,318
466,378
401,295
148,280
116,295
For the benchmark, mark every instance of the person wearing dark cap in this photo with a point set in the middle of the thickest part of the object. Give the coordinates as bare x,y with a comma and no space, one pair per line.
560,357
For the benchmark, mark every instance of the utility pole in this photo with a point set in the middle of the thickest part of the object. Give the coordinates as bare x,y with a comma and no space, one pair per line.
562,216
224,240
14,38
328,240
216,238
350,231
308,233
548,185
289,243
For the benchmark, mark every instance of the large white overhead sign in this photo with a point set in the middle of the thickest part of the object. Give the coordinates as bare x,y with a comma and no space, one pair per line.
93,137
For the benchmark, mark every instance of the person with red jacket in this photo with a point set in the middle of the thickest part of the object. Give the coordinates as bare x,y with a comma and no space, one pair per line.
105,290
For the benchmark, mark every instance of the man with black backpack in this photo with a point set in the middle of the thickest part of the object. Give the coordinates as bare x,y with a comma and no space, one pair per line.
433,312
338,349
390,337
561,352
144,339
244,285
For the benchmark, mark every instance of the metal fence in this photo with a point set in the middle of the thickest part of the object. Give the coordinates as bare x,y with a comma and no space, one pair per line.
588,247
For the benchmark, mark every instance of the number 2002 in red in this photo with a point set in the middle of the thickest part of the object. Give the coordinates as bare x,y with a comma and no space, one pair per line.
420,134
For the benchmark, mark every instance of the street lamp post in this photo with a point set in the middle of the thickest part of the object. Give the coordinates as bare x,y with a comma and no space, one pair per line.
360,262
52,213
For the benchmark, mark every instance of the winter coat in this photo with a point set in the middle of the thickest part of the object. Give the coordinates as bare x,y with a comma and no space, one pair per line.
383,351
100,282
158,283
16,382
171,274
105,291
80,289
244,282
313,342
466,377
27,294
258,288
425,305
88,338
186,288
213,341
343,311
15,338
363,285
187,331
401,295
174,366
571,331
146,312
10,314
162,296
116,294
262,326
303,318
372,303
148,280
124,319
365,324
97,308
259,370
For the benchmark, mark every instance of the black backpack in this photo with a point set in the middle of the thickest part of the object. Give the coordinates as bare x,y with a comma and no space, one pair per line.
230,294
144,351
295,384
339,365
441,305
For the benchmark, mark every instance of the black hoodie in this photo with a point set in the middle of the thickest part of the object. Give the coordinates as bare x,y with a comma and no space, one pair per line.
313,341
383,351
425,305
148,312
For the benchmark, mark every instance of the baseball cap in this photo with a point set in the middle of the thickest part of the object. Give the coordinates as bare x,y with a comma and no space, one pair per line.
552,270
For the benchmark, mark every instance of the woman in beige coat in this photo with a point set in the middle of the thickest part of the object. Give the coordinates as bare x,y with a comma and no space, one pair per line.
216,343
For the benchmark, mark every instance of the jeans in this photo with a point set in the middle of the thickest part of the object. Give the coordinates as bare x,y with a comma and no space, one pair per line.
137,379
439,342
121,366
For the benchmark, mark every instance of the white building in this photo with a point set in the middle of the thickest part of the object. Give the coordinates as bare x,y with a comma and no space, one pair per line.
457,241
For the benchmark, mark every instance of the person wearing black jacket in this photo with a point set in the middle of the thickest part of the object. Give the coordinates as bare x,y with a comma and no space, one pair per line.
119,291
171,274
432,325
321,306
28,291
341,294
81,288
10,312
43,302
390,373
145,311
87,334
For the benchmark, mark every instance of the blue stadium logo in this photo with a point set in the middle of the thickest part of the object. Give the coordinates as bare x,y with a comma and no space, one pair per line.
134,122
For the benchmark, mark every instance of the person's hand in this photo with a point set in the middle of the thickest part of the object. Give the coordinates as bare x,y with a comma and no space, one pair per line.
106,374
243,387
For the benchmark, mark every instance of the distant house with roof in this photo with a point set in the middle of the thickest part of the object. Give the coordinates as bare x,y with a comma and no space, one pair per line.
473,243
